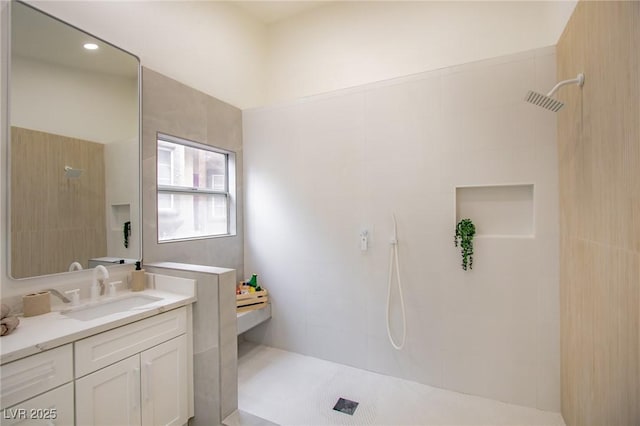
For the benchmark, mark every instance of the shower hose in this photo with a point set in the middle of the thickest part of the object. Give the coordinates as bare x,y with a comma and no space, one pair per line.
393,261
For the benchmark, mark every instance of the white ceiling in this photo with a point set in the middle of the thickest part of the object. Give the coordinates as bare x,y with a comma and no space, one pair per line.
40,37
272,11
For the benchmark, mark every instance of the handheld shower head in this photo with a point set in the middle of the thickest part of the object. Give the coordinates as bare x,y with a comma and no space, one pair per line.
546,101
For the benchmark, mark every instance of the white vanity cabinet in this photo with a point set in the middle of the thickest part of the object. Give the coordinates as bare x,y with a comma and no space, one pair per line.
145,389
110,396
38,390
136,374
145,379
53,408
164,383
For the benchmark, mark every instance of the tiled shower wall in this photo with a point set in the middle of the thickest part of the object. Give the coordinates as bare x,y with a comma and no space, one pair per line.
321,170
599,147
43,241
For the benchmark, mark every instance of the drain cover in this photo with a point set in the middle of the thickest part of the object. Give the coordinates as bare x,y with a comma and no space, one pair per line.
346,406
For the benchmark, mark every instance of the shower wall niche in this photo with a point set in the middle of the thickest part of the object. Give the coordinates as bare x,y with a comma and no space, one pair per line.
498,210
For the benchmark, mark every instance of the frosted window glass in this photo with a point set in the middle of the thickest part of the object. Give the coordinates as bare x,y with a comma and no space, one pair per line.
185,216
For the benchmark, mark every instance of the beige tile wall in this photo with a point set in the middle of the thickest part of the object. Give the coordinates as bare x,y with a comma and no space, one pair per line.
175,109
55,220
599,156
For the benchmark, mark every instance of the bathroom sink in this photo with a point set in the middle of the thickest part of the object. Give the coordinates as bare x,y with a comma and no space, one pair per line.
108,307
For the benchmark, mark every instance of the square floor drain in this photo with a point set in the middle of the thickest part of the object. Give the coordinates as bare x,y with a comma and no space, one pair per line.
346,406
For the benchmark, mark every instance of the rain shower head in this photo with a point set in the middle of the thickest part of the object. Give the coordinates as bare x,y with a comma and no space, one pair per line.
546,101
71,173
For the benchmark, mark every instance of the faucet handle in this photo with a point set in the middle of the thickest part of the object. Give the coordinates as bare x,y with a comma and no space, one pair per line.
74,295
112,287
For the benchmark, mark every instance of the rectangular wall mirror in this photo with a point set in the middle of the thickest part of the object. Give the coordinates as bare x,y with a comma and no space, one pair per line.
73,183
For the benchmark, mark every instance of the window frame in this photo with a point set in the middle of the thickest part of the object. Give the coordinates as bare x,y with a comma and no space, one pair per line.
229,191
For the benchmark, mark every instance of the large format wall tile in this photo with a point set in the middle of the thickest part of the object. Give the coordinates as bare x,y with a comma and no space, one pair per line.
599,158
321,170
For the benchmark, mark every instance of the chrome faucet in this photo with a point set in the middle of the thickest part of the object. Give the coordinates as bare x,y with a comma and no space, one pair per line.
56,293
98,282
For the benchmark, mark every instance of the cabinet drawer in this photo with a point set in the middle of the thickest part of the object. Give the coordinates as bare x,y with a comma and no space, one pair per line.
103,349
52,408
36,374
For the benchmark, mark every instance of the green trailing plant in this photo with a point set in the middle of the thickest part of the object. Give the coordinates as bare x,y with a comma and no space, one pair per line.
465,231
127,233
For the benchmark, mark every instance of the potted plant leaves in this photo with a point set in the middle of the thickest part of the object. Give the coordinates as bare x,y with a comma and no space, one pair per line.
465,231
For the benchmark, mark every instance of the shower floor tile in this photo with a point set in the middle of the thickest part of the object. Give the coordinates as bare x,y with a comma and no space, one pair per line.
292,389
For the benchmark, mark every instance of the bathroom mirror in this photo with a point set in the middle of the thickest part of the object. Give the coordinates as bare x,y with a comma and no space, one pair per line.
73,183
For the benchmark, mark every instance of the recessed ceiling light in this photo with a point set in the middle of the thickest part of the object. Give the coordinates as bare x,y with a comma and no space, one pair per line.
90,46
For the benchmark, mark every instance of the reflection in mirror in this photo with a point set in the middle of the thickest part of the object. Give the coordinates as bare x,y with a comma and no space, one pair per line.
74,148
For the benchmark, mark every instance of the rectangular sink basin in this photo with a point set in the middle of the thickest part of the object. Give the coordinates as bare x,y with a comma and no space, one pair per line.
109,307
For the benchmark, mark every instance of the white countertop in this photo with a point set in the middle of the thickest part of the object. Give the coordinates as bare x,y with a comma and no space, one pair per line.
47,331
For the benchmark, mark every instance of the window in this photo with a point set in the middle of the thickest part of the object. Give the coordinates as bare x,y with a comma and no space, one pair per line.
196,190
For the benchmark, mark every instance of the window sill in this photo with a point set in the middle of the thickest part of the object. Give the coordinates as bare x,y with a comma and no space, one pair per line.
204,237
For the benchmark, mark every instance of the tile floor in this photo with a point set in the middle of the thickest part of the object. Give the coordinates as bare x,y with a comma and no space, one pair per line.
292,389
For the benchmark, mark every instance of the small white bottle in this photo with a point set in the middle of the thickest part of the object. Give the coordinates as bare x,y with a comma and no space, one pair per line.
74,295
112,288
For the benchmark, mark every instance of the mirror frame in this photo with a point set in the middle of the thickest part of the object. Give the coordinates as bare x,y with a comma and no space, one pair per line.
5,102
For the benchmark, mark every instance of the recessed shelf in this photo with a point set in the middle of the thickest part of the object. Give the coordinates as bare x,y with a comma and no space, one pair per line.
249,319
120,213
497,210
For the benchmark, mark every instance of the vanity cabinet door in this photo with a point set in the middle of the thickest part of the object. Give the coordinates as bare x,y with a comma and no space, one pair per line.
53,408
164,383
110,396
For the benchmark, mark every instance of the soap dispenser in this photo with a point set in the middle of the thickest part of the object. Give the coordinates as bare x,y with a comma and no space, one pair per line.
137,278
